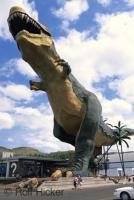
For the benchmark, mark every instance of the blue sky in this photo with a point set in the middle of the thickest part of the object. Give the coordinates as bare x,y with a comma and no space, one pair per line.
96,37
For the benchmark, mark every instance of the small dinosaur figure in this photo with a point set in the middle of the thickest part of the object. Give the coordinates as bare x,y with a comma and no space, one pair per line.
77,112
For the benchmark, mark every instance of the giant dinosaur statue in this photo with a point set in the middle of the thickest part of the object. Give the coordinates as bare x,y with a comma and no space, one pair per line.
77,112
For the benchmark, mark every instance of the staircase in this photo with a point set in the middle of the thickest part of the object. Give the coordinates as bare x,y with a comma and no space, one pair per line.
67,183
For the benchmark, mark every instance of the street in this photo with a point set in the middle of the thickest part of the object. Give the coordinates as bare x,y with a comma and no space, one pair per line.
98,193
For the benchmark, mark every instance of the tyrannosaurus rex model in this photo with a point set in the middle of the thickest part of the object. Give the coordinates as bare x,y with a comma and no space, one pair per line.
77,112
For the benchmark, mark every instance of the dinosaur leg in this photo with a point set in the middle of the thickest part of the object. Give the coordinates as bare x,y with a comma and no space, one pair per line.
37,85
64,137
91,166
84,146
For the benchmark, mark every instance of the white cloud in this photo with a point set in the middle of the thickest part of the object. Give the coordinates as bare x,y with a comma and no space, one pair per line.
46,142
119,105
40,122
129,2
24,68
72,10
104,2
6,104
32,118
117,110
17,92
124,88
10,139
125,149
17,65
109,54
4,11
82,61
6,121
108,2
7,70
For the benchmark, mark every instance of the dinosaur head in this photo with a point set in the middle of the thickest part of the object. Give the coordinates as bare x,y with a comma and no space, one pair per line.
33,39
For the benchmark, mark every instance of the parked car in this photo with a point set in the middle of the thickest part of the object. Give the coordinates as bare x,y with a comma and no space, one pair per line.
124,193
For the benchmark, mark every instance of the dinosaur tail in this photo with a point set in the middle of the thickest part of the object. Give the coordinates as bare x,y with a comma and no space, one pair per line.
129,131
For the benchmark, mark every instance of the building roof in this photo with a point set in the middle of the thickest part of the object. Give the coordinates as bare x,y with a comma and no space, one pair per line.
128,156
31,158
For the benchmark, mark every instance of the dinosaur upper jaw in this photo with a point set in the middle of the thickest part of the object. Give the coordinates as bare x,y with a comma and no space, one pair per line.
28,33
19,20
33,39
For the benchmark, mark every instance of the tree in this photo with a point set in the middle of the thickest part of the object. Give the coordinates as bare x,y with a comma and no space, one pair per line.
104,158
120,134
105,154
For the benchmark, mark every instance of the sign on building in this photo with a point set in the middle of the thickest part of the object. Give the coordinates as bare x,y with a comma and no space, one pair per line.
7,154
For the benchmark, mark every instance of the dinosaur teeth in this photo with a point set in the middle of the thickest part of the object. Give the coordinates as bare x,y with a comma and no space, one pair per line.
36,25
11,18
15,15
27,20
18,14
21,21
33,23
22,16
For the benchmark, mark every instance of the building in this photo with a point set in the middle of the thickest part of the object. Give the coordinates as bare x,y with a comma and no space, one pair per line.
22,167
6,154
113,164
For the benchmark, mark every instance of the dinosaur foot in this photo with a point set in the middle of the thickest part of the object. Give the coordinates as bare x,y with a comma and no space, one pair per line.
69,174
77,173
58,173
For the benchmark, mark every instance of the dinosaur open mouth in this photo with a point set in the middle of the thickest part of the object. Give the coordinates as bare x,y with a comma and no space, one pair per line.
19,21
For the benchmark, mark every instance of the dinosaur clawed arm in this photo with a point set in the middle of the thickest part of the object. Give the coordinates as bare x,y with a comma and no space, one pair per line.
65,65
37,86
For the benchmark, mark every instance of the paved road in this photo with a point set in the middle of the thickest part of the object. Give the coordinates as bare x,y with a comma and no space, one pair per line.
100,193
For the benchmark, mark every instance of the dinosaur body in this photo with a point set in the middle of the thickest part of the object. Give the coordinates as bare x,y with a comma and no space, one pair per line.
77,112
67,108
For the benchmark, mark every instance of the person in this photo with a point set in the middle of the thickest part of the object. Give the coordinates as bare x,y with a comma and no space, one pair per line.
80,180
75,181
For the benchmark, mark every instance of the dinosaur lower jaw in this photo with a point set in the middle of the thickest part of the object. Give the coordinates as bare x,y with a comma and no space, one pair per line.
33,46
34,50
37,39
25,33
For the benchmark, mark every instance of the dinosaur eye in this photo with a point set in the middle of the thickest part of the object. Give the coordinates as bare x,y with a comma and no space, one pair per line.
20,21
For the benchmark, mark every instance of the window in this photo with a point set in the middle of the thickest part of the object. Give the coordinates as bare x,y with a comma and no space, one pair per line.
132,171
3,168
119,171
